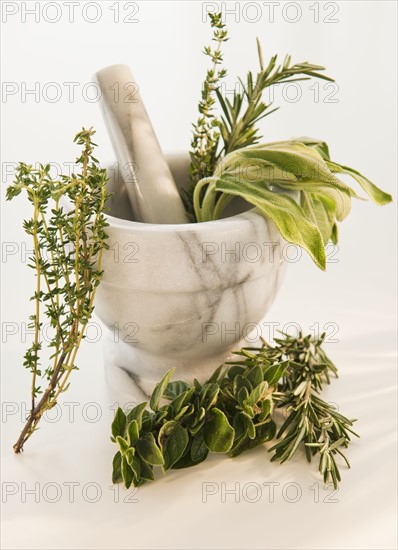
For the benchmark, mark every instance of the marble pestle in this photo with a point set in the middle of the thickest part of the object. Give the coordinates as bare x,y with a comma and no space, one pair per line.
151,188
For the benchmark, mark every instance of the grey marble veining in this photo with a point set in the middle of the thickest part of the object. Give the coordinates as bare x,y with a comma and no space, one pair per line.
182,296
150,186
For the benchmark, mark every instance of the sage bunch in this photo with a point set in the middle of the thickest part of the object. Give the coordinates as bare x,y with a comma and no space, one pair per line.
267,175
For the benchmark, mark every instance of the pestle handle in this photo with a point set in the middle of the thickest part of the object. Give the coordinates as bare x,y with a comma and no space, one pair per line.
151,188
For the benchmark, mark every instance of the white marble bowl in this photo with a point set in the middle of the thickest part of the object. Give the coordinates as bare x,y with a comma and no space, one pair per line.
182,296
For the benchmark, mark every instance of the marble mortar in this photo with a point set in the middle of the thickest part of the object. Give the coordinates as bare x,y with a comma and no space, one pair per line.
183,295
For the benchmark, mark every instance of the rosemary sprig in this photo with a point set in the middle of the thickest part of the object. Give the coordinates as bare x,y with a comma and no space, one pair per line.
310,421
234,411
67,253
238,125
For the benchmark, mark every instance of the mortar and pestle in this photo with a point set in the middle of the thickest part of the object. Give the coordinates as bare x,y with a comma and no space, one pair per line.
173,293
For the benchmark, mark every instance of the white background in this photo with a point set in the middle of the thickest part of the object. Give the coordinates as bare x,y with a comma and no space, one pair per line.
356,294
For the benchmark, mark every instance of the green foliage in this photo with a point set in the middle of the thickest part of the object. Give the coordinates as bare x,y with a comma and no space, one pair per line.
301,166
226,161
234,411
67,252
310,421
234,124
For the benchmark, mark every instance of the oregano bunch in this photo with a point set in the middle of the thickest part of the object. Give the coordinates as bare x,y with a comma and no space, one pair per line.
68,242
234,411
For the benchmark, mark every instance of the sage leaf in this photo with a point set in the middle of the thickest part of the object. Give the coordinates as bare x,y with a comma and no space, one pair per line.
218,433
287,215
377,195
149,451
321,210
173,440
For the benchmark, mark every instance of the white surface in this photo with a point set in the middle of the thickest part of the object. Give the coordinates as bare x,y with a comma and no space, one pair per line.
357,293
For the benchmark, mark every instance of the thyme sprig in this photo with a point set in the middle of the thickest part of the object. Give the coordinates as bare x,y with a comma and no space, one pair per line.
236,410
205,135
67,253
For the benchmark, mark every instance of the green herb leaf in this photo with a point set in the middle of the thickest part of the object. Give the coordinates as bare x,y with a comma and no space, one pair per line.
149,451
218,433
127,473
146,471
132,433
199,449
159,390
136,414
377,195
257,393
232,414
119,423
117,468
275,372
174,389
123,445
287,215
243,426
173,440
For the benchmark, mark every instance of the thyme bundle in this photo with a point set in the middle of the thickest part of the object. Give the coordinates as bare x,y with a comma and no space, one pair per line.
67,252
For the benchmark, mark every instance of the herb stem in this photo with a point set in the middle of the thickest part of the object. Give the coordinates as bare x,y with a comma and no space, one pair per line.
64,246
